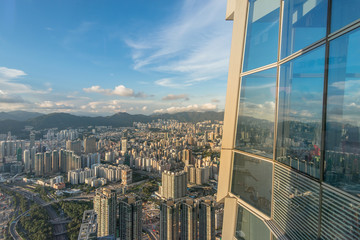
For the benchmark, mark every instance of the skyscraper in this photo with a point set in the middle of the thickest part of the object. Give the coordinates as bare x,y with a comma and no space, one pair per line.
206,220
47,162
27,161
105,207
289,161
123,145
174,184
55,161
169,220
90,144
32,139
130,222
39,164
188,220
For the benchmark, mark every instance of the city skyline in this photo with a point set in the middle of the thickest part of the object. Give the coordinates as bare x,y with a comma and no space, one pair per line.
101,59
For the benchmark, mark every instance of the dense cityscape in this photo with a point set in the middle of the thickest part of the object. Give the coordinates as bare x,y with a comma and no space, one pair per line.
153,180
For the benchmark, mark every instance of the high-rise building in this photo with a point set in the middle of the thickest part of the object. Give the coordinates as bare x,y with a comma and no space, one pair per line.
169,220
105,207
55,161
39,164
187,156
32,139
74,146
90,144
27,161
47,163
126,175
130,222
206,220
123,145
289,164
174,184
62,160
188,220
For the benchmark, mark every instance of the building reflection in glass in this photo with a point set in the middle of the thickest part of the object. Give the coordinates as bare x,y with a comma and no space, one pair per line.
255,129
342,145
251,181
300,112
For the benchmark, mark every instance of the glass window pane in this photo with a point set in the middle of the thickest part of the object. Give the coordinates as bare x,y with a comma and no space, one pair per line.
300,112
342,150
255,130
344,12
304,23
249,227
262,34
252,180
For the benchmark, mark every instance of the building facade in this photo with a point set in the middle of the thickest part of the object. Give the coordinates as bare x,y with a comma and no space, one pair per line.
105,207
174,184
130,222
290,150
169,220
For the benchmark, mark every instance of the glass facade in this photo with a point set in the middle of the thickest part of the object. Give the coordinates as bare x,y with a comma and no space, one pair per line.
255,129
251,181
300,112
262,33
344,12
342,151
310,186
304,23
249,227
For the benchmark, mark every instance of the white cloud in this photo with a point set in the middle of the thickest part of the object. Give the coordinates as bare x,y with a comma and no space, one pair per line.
144,108
189,108
120,90
11,73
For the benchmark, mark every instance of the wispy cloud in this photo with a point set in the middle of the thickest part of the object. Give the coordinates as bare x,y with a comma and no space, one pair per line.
172,97
10,85
193,47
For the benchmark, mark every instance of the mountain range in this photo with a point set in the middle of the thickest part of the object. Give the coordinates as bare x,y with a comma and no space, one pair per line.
16,121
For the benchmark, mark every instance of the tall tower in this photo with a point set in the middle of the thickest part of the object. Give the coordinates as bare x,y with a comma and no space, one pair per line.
47,162
90,144
130,222
55,161
105,208
39,164
62,160
123,145
32,139
169,220
188,220
27,161
174,184
206,220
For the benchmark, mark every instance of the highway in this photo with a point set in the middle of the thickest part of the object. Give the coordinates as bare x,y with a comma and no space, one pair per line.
59,229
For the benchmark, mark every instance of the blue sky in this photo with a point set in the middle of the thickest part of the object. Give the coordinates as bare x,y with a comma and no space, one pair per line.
98,57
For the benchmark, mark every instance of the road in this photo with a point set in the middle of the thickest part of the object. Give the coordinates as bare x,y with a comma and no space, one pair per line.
59,229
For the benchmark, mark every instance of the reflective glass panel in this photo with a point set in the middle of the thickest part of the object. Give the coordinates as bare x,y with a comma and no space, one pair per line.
304,23
262,34
300,112
342,151
255,129
344,12
249,227
251,181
